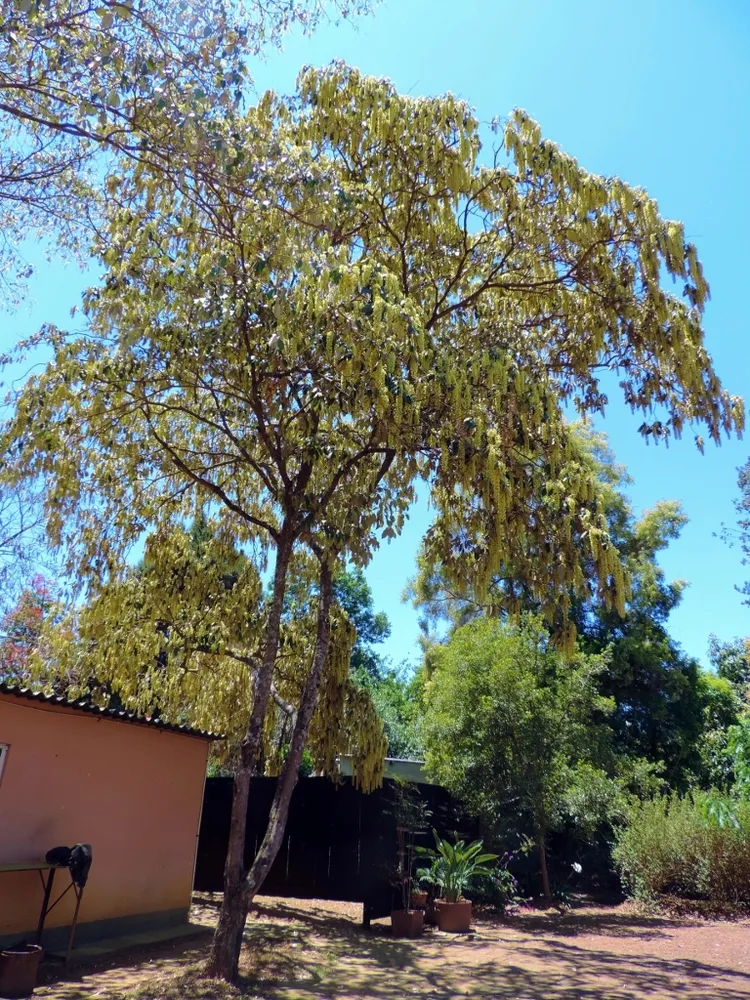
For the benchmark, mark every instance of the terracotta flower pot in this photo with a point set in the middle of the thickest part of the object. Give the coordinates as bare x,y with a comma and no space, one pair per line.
407,923
454,917
419,899
430,916
18,969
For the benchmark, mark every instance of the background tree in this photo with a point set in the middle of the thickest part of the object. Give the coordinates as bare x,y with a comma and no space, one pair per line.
722,711
511,729
658,698
397,695
353,593
81,81
731,660
22,629
277,334
741,534
395,691
23,549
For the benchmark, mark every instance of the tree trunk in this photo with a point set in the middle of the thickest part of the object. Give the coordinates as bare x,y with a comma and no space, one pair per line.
274,834
223,960
543,866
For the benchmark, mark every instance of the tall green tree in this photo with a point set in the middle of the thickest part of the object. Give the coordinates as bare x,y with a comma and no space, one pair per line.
395,691
397,694
277,334
353,593
731,660
722,710
726,740
511,729
659,703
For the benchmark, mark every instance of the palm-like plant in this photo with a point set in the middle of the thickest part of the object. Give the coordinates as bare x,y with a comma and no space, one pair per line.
453,866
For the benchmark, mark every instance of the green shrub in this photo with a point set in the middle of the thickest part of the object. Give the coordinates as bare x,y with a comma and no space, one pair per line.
696,847
498,887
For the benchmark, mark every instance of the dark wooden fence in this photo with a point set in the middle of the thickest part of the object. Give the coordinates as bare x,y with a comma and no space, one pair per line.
339,843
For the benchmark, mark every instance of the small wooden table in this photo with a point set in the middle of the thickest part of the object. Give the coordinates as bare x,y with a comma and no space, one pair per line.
45,866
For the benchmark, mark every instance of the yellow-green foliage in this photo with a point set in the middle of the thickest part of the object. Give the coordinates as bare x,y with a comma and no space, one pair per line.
318,307
83,80
175,635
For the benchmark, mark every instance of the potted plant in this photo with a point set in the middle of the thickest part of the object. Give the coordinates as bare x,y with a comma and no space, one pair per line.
419,898
411,813
452,868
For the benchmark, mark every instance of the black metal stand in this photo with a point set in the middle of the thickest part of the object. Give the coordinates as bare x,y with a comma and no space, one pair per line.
46,908
45,902
47,884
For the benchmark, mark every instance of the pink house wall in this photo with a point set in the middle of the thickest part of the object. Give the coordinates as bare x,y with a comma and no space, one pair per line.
133,792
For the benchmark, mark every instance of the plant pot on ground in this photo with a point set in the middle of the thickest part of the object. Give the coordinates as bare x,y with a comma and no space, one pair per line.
418,899
430,914
407,923
18,970
453,866
410,813
455,917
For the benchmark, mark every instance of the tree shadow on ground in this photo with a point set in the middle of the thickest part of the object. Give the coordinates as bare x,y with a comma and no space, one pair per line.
558,971
116,973
299,952
571,923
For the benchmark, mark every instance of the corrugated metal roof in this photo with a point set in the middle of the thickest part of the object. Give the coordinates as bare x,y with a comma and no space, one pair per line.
106,713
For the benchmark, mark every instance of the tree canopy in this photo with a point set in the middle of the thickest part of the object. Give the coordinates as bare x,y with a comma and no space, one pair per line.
81,80
276,337
350,257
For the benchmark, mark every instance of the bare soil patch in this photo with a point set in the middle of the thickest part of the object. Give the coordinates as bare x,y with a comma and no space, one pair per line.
316,950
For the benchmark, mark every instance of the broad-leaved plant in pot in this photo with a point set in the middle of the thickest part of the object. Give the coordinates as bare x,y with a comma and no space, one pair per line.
451,870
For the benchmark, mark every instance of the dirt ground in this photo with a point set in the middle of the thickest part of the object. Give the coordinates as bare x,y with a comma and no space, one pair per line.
315,950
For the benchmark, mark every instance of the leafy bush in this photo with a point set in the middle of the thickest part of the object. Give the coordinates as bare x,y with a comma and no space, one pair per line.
695,847
497,887
453,866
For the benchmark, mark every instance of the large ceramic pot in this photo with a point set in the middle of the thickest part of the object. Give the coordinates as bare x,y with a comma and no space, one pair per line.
454,917
407,923
18,969
419,900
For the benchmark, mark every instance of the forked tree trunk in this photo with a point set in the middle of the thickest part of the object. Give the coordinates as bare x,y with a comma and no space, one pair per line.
547,892
239,887
274,835
225,949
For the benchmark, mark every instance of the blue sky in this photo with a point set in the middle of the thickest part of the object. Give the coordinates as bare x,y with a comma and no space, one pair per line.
655,91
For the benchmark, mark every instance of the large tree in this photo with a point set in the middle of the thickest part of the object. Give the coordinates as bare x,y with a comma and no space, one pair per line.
731,660
277,335
512,730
